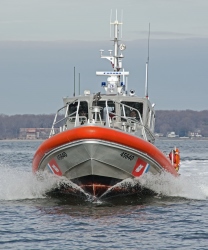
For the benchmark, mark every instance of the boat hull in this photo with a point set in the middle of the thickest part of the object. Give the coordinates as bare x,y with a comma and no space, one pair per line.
96,158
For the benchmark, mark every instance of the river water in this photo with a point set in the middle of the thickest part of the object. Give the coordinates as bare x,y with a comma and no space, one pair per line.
175,218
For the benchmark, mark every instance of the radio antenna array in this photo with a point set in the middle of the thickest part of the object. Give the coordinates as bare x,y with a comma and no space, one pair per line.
116,20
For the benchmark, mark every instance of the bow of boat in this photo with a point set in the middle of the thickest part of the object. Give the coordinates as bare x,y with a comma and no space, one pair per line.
97,158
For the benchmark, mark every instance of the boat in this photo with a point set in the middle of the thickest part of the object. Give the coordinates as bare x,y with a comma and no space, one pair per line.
172,135
101,141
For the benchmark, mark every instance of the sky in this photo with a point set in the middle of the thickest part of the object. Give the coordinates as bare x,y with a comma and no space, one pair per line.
41,41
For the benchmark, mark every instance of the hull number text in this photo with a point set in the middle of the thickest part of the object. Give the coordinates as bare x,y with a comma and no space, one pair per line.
61,156
127,156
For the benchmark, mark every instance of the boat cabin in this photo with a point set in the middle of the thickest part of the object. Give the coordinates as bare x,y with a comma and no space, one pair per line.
115,109
128,113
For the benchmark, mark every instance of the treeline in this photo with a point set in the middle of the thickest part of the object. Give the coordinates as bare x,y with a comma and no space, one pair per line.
10,125
181,122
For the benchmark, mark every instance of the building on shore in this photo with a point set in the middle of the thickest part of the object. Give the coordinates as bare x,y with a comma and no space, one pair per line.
195,135
34,133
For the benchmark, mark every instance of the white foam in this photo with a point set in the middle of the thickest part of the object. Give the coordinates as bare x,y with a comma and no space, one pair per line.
17,184
191,184
168,185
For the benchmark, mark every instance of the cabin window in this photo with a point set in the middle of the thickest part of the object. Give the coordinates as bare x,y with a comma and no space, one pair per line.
83,108
111,108
72,108
126,111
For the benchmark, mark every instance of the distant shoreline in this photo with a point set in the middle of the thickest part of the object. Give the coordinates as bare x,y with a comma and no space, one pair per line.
182,139
156,138
22,139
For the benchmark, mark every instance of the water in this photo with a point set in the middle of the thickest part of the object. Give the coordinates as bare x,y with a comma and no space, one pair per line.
176,218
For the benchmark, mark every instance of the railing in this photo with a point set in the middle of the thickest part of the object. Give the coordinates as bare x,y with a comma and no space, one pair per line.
128,124
52,132
124,122
151,135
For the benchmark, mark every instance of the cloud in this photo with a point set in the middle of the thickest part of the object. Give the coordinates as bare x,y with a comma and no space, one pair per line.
86,20
167,34
24,21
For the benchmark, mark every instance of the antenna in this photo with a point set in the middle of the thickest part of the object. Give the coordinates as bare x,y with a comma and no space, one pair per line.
110,22
74,81
121,23
147,66
79,83
148,42
126,85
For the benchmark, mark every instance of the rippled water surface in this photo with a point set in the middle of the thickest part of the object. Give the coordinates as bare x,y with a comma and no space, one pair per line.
176,218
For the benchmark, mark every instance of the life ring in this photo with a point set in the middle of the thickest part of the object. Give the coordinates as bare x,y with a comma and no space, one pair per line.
175,158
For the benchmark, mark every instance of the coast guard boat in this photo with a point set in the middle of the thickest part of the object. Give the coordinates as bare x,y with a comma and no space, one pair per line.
99,141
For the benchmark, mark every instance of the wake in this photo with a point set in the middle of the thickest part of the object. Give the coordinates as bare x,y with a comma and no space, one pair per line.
191,184
18,184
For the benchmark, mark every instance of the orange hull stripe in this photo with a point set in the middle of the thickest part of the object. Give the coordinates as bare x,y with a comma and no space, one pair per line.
106,134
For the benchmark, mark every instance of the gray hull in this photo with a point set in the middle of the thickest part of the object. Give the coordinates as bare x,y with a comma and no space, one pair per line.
96,165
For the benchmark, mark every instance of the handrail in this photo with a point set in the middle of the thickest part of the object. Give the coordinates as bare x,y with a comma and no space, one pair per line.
129,121
124,105
150,133
133,120
52,132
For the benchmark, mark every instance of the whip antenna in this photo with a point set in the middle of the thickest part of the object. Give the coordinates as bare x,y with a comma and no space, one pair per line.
110,21
74,81
121,23
147,66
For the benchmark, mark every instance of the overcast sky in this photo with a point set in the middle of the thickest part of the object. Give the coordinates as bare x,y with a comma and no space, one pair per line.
42,40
